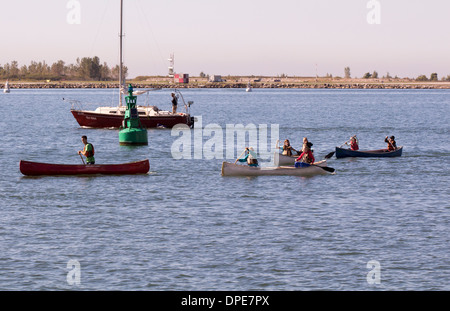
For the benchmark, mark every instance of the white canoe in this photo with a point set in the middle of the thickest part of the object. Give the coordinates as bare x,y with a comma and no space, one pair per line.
231,169
282,160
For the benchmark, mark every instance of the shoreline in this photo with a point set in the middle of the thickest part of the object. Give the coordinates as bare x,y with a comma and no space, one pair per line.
306,84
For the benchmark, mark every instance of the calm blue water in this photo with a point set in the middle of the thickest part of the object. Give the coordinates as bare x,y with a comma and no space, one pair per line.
185,227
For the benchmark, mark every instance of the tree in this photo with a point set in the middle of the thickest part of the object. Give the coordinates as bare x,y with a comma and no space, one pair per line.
434,76
375,75
422,78
347,73
14,69
105,72
89,68
367,75
115,72
85,68
57,68
23,71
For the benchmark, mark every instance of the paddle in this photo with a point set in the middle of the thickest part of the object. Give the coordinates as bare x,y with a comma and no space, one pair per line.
332,152
329,155
328,169
240,156
82,159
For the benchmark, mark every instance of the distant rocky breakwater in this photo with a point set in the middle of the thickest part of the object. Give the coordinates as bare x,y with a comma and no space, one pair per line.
269,85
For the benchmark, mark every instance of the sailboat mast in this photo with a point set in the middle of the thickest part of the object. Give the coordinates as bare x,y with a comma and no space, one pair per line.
120,54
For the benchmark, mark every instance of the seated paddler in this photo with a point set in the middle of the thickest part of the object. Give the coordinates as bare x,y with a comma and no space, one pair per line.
392,145
306,158
250,157
287,148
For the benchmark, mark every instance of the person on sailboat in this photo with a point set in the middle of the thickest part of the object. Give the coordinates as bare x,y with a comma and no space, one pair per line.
174,103
6,89
306,158
88,150
250,157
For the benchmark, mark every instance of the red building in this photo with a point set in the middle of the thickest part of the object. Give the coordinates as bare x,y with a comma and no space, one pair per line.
181,78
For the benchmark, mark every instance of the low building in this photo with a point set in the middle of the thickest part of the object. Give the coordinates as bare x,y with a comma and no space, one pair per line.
215,78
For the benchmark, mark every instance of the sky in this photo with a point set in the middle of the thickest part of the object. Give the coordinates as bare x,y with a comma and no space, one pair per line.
406,38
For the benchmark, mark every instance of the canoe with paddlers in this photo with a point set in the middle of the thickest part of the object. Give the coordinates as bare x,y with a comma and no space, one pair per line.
36,169
379,153
232,169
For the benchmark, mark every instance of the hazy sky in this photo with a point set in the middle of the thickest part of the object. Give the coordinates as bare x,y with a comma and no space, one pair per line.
240,37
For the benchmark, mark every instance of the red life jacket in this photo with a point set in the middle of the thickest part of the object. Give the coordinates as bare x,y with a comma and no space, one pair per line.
354,146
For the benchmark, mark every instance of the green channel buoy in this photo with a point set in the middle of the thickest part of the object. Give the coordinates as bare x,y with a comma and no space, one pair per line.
131,132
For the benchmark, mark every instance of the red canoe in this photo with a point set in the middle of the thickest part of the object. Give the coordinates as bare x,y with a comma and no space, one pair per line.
36,169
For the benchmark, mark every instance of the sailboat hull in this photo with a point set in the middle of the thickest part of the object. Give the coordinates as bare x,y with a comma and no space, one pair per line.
101,120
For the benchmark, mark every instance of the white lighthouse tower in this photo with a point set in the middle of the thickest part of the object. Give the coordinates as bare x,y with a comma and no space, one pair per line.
171,67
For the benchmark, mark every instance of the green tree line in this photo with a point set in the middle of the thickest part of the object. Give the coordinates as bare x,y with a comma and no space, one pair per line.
86,69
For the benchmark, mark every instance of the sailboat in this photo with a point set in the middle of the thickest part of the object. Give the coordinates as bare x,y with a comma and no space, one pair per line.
249,87
150,116
6,89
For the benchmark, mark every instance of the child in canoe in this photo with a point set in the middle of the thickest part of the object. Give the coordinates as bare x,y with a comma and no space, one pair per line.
287,148
392,145
306,158
354,143
250,157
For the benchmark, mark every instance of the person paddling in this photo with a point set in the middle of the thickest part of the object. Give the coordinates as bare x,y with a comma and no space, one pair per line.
354,143
392,145
250,157
306,158
88,150
287,148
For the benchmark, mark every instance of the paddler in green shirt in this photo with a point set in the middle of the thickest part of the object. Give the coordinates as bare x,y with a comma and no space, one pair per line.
88,150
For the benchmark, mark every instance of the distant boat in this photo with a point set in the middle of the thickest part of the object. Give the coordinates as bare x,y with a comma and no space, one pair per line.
6,89
37,169
380,153
112,117
249,87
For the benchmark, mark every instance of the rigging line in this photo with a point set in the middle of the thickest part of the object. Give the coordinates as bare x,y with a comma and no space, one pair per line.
163,61
98,28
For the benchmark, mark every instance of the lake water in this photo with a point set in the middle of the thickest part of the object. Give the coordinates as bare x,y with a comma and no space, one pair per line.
185,227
